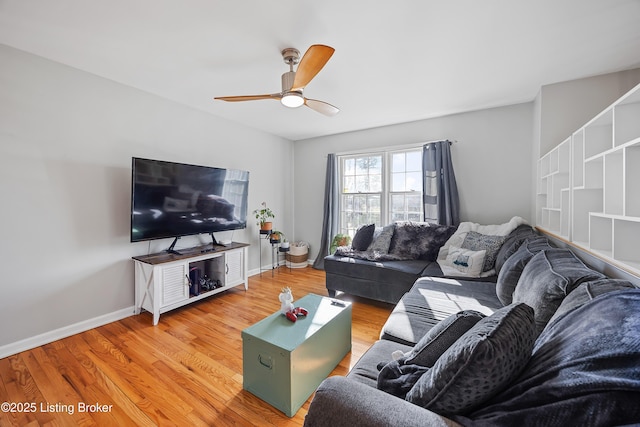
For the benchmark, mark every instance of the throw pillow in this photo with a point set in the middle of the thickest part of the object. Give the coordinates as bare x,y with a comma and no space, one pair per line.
363,237
479,242
548,278
516,238
479,364
439,338
512,268
382,240
587,292
466,261
419,240
583,370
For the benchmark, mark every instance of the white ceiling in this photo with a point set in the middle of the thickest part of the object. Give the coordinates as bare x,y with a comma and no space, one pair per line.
395,61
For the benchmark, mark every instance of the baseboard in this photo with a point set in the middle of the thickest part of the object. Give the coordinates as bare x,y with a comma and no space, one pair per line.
267,268
51,336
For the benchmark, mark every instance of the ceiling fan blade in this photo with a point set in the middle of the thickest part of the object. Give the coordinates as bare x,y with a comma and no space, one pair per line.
248,97
321,107
311,63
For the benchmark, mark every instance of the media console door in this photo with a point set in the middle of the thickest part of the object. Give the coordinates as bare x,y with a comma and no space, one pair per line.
162,280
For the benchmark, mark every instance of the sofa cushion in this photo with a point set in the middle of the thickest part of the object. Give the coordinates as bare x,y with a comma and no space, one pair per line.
512,269
480,364
512,244
587,292
366,369
363,237
548,278
484,242
439,338
433,299
419,240
584,370
466,261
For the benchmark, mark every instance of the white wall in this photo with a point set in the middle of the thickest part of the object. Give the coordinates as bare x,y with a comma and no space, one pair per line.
492,162
66,142
567,106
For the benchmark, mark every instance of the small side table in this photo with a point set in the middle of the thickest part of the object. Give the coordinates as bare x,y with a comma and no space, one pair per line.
284,251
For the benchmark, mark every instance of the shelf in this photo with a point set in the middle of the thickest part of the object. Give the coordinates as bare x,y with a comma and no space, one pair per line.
587,186
577,163
601,235
632,177
626,114
598,134
594,173
613,183
626,241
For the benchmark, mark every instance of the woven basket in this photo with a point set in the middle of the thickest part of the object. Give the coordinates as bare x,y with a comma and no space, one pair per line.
297,258
298,254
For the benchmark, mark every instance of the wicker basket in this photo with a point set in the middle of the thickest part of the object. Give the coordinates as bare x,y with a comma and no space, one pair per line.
298,254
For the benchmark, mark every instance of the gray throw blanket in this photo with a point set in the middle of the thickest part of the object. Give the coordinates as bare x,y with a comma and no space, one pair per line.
409,240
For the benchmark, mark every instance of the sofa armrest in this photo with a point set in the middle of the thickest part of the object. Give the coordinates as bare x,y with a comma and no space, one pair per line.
340,401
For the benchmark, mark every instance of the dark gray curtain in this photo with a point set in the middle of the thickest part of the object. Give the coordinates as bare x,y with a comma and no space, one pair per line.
330,215
441,202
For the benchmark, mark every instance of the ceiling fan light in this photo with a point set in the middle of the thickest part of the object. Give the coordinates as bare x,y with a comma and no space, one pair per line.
292,100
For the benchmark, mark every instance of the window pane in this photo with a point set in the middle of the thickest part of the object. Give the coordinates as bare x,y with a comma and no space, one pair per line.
375,183
413,181
397,182
375,165
349,184
414,202
398,162
414,161
349,166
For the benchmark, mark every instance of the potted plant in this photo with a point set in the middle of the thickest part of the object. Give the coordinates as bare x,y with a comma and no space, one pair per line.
276,236
285,243
262,216
339,240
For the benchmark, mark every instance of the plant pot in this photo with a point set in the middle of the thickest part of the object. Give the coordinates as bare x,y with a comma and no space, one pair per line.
284,245
266,226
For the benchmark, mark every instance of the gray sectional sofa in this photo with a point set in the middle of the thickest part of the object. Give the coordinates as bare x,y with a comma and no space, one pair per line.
544,341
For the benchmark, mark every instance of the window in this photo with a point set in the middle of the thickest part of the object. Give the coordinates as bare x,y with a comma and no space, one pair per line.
380,188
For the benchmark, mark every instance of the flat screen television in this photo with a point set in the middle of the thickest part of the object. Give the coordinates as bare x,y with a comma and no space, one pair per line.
175,199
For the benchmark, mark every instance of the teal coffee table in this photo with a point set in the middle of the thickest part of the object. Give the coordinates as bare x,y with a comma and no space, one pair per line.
284,362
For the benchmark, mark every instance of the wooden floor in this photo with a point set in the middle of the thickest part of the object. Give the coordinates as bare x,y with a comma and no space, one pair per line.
187,370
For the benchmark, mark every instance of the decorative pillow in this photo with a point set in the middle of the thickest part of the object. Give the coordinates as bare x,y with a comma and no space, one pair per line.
466,261
478,242
419,240
479,364
363,237
439,338
399,376
382,240
583,371
587,292
516,238
548,278
512,269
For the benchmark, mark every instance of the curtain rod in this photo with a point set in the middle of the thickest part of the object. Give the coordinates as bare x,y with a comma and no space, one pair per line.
455,141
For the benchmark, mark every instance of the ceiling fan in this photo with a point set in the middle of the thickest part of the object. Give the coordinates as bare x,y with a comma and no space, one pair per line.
294,82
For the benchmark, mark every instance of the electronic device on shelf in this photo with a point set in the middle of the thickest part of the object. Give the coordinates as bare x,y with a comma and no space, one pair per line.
170,200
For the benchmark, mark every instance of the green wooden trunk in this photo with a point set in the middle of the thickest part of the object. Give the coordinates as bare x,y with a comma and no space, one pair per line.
284,362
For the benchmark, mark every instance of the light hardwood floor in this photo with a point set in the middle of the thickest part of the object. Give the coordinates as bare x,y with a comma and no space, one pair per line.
187,370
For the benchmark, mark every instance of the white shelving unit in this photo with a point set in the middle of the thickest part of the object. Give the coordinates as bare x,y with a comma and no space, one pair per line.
162,280
588,191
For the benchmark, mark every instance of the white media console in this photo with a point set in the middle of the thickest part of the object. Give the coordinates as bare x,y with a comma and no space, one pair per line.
162,280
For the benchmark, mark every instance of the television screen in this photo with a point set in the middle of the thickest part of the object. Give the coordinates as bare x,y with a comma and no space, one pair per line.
175,199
